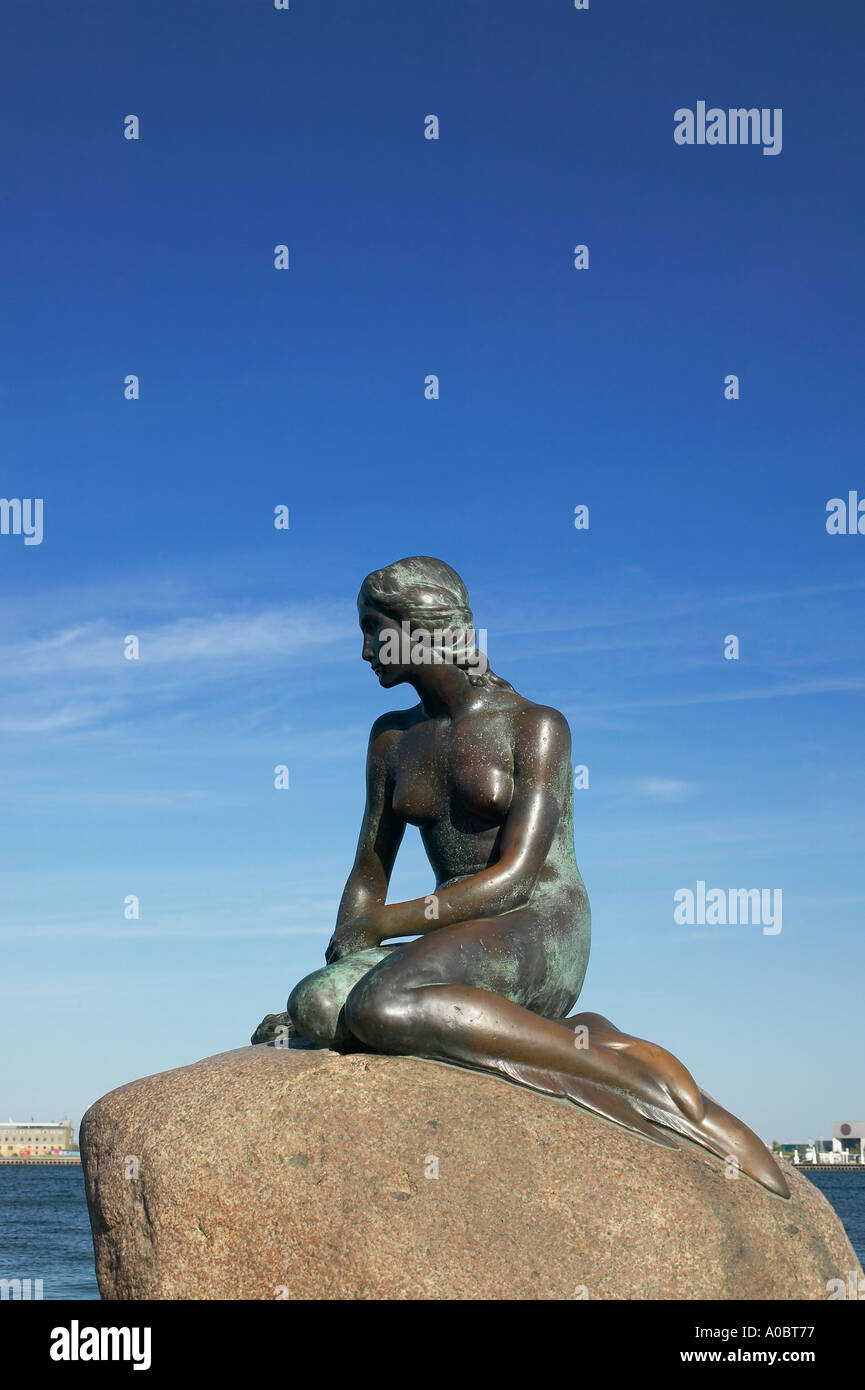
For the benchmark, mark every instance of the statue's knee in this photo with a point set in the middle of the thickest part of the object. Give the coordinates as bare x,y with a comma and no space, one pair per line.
314,1010
378,1015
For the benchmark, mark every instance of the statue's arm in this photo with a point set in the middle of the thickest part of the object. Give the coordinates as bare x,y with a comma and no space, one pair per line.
542,760
381,832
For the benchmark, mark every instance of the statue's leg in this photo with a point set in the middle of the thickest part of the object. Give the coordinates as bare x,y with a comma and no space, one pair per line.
473,993
455,996
316,1004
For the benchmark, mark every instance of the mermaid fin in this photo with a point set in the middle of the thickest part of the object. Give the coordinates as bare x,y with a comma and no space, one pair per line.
726,1137
601,1100
713,1128
673,1074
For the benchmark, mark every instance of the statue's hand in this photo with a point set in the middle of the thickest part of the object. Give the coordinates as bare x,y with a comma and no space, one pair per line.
357,935
275,1029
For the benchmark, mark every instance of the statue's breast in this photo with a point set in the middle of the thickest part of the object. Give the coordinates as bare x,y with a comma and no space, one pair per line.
482,789
454,778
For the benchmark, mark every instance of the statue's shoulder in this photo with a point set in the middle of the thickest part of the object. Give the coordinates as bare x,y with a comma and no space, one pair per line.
538,723
394,722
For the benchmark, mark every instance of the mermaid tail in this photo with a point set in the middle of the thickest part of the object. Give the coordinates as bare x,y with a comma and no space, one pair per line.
703,1122
631,1082
601,1100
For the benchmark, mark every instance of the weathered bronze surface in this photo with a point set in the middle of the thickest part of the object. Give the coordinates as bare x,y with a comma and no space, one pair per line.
502,944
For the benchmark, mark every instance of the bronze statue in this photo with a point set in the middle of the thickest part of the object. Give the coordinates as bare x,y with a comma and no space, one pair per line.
502,944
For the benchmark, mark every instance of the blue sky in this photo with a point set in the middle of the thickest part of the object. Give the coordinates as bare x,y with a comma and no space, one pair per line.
306,388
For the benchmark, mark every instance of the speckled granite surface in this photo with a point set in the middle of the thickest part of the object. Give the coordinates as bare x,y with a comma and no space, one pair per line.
270,1173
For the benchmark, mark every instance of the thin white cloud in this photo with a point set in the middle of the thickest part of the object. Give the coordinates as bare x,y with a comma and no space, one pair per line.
823,685
665,789
218,642
78,677
585,611
54,721
202,932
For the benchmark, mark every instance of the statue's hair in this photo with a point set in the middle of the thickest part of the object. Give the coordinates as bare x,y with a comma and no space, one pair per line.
427,592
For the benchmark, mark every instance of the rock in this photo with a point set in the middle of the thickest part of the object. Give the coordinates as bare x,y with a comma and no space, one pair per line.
269,1173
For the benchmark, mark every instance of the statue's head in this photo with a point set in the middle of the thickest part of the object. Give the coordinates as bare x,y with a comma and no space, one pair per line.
417,611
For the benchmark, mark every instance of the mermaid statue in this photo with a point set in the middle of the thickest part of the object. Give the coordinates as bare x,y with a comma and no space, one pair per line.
501,946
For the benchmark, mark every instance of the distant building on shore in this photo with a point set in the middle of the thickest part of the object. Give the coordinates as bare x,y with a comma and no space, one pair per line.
847,1145
850,1134
33,1138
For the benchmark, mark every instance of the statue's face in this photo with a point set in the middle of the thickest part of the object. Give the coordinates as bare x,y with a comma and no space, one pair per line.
383,647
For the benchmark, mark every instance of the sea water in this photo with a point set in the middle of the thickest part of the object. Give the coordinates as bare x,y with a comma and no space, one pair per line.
846,1193
45,1230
